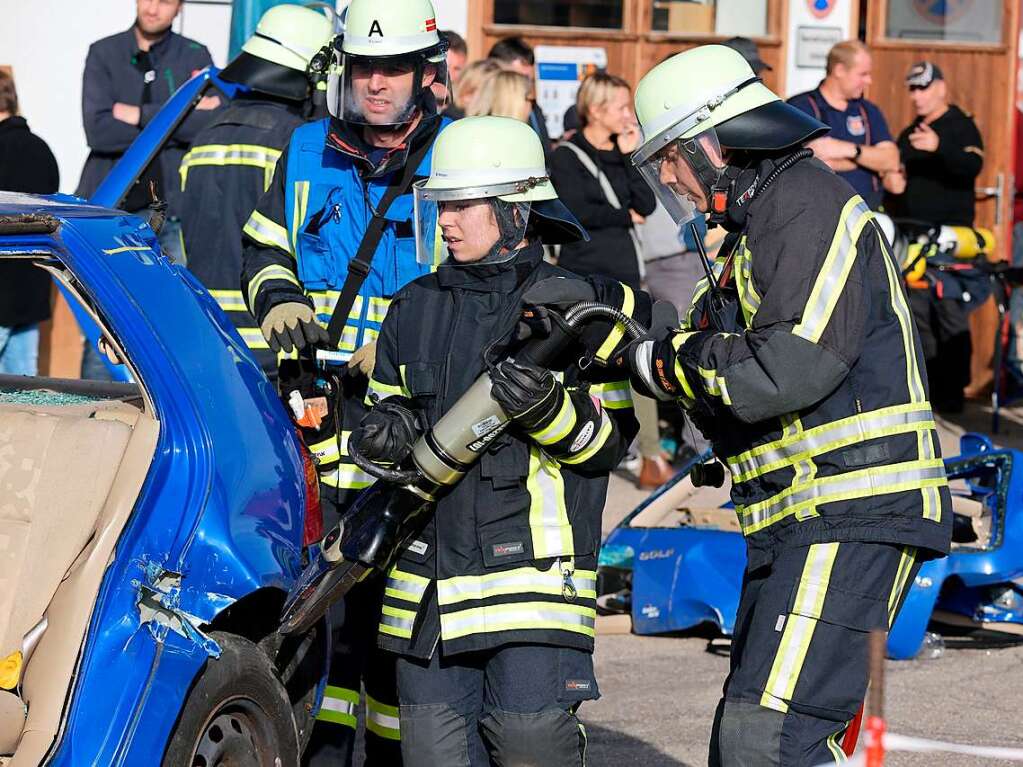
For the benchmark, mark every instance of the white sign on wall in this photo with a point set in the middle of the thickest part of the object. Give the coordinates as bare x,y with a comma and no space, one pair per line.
813,27
559,71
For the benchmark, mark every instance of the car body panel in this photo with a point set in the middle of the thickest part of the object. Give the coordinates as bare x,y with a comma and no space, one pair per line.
224,500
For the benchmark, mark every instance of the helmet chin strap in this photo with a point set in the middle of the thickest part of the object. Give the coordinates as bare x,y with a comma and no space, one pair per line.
510,231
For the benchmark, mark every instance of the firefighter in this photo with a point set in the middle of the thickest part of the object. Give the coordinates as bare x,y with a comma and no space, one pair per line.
231,162
491,606
802,366
332,238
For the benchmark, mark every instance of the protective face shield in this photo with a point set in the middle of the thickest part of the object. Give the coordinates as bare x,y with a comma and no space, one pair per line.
384,91
469,225
684,173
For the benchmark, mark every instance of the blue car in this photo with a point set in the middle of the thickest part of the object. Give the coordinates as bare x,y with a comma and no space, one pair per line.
676,568
151,528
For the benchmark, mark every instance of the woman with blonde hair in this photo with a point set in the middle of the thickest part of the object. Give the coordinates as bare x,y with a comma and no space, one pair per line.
505,94
469,84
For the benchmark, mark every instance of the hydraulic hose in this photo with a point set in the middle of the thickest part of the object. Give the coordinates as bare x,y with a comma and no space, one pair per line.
394,476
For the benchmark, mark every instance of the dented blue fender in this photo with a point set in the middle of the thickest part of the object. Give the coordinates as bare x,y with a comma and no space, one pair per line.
220,516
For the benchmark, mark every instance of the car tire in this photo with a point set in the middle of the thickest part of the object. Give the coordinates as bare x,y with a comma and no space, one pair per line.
237,712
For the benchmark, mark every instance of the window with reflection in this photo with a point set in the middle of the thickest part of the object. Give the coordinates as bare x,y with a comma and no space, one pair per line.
725,18
600,14
959,21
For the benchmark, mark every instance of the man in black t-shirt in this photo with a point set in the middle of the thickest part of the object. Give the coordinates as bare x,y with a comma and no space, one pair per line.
942,154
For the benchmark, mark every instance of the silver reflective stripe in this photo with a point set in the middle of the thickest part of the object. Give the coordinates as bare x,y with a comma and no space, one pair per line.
548,518
828,437
397,622
830,282
403,586
519,616
857,484
263,230
913,380
524,580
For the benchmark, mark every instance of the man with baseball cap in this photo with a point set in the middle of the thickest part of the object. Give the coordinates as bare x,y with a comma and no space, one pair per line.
942,155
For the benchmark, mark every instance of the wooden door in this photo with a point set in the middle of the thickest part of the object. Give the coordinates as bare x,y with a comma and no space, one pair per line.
981,78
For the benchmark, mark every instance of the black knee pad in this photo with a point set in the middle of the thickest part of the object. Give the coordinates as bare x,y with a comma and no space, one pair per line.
432,735
553,737
746,735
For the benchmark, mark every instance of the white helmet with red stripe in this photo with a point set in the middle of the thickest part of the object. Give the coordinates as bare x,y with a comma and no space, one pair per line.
389,56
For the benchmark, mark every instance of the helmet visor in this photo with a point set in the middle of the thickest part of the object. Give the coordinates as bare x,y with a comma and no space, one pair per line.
387,90
682,173
464,228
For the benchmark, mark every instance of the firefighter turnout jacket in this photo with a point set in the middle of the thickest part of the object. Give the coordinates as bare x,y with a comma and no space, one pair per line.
805,372
306,229
510,554
227,169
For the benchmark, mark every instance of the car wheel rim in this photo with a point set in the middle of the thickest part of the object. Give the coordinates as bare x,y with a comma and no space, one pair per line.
237,734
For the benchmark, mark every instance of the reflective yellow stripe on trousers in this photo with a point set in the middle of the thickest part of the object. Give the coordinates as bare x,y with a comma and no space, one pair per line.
382,719
338,706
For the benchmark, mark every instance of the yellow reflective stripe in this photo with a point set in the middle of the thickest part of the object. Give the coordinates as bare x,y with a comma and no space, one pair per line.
338,706
407,587
299,205
714,384
518,616
549,527
271,272
327,450
396,622
618,331
230,300
905,317
616,395
831,279
872,481
772,456
347,476
835,749
253,338
676,343
382,719
560,427
267,232
383,391
324,302
251,155
799,626
378,309
749,299
522,580
901,576
598,441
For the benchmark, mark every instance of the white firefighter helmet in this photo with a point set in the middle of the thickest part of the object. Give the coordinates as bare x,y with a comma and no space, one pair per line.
276,58
496,159
699,101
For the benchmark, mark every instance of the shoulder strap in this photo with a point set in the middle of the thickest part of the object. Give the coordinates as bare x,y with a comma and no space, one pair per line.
358,266
605,184
814,105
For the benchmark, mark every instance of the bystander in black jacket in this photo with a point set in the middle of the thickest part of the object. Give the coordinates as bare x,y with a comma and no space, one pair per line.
939,184
26,165
115,71
610,251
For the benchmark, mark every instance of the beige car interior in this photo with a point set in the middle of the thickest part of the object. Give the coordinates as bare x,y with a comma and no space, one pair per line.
69,478
688,506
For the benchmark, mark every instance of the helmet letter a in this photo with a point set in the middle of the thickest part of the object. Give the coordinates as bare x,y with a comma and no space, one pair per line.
375,29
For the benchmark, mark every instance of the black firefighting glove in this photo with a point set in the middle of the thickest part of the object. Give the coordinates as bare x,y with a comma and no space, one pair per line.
650,360
292,325
388,432
531,396
556,292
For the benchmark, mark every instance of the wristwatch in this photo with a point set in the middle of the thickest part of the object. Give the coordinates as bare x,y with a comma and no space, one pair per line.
859,151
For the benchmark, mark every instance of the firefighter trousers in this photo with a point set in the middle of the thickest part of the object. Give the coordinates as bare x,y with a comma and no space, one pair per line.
507,707
799,660
357,664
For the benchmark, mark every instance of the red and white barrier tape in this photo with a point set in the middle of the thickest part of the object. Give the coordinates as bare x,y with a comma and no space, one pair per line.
894,742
